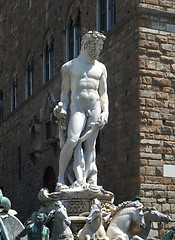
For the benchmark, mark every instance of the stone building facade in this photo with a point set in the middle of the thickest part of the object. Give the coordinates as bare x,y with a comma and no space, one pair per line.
37,37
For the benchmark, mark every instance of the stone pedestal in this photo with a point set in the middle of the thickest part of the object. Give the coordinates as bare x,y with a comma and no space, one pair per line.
77,201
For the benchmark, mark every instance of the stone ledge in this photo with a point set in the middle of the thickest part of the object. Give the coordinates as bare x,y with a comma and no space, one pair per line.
156,12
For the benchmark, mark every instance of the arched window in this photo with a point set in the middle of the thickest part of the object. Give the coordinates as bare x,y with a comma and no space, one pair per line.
74,37
14,93
48,59
1,105
49,179
106,14
29,76
78,35
71,40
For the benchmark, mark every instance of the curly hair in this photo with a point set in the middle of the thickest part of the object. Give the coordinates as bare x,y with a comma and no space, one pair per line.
91,37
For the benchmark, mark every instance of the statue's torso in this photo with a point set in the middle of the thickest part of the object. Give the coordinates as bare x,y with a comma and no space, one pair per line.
37,233
85,83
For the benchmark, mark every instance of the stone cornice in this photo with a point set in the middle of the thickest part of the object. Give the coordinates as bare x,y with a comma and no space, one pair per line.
154,11
137,12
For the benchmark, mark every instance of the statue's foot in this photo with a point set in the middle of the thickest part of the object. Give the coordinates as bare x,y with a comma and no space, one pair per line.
60,186
94,186
78,185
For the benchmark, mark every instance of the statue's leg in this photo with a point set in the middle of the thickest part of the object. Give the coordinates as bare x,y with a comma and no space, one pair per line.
89,149
76,124
79,164
90,158
92,175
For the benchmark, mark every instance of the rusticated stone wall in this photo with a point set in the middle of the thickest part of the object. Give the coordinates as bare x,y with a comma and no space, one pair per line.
139,54
157,105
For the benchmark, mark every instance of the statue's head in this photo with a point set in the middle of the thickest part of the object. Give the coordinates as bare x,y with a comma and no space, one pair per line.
41,218
93,40
5,204
138,198
173,228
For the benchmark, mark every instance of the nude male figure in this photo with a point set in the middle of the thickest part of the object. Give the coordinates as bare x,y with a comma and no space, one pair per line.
36,230
84,90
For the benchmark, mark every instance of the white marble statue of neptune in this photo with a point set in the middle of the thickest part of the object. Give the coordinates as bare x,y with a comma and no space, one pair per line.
84,91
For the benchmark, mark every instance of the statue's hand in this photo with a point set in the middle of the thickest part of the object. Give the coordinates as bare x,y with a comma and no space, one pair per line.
63,113
59,112
102,120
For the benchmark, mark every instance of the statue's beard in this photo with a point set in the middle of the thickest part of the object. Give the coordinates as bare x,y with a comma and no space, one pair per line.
93,53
